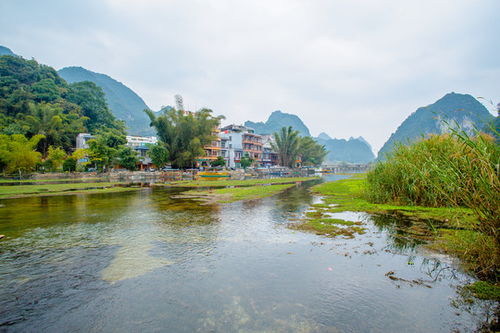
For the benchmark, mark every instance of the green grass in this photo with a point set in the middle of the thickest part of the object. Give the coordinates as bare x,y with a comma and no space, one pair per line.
227,195
457,233
54,189
14,181
231,182
485,290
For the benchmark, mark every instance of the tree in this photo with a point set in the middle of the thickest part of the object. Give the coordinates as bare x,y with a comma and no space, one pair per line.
127,158
104,148
246,161
220,161
286,144
18,154
184,134
158,154
311,152
69,164
56,157
92,101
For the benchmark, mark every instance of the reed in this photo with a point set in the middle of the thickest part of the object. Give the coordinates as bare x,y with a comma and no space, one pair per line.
448,170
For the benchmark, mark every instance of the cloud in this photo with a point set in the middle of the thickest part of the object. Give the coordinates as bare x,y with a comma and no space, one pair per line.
347,68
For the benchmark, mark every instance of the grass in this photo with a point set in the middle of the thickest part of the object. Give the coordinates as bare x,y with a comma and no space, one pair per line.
227,195
457,233
16,181
55,189
330,227
485,290
232,182
449,170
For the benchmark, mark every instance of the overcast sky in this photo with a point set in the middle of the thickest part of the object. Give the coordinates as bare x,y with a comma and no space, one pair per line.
347,68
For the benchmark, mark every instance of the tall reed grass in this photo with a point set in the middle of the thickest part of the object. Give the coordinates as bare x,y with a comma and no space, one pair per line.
444,170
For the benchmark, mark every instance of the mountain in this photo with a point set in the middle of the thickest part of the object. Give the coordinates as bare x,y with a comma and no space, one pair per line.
324,136
276,121
453,110
124,102
354,150
6,51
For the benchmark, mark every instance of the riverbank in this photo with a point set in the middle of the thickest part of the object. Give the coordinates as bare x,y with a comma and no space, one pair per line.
20,191
447,230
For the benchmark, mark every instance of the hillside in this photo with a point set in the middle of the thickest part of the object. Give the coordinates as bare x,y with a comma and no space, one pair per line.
34,99
457,110
276,121
354,150
125,104
6,51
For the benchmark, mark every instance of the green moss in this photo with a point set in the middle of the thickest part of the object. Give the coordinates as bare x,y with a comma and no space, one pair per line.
227,195
17,191
231,182
331,227
485,290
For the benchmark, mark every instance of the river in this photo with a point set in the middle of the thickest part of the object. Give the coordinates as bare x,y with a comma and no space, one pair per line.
145,262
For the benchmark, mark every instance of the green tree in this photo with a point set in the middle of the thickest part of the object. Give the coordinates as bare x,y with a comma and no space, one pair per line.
158,154
127,158
104,148
56,157
69,164
184,134
286,144
246,161
91,99
18,154
220,161
311,152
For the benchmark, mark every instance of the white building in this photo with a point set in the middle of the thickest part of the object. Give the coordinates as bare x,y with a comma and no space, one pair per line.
81,140
138,141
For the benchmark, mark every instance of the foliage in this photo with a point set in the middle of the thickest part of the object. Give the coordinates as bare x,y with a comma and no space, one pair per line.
127,158
286,144
444,170
17,153
311,152
93,104
56,156
158,154
226,195
246,161
246,182
220,161
69,164
35,100
184,134
103,149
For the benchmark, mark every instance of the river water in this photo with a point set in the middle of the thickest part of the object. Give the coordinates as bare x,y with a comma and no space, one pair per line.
145,262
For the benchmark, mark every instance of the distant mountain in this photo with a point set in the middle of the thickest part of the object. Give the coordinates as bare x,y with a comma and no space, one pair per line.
124,102
276,121
452,110
324,136
6,51
354,150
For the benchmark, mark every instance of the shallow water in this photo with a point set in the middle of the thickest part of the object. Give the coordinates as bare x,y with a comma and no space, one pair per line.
142,261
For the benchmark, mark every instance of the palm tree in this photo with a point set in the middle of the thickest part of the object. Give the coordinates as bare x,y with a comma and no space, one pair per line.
286,144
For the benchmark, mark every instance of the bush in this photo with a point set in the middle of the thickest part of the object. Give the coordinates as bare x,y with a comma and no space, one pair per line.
69,164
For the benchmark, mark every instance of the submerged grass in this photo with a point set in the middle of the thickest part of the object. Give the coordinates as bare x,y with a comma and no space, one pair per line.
233,182
54,189
226,195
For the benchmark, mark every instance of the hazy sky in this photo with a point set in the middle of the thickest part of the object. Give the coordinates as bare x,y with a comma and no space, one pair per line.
347,68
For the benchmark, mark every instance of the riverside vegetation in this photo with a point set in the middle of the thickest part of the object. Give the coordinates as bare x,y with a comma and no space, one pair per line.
448,182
